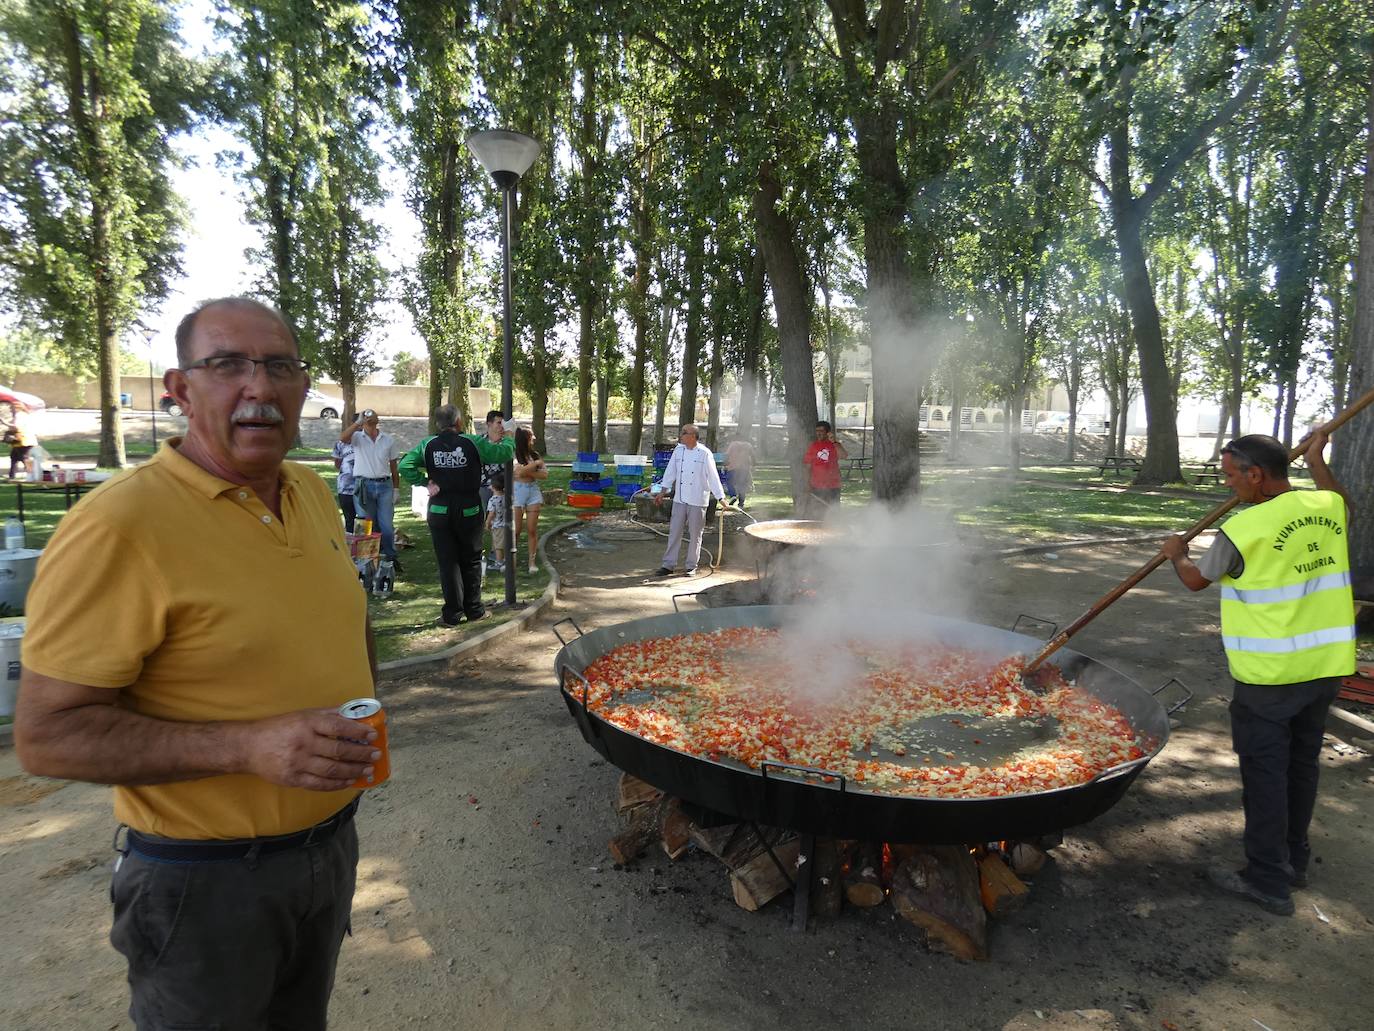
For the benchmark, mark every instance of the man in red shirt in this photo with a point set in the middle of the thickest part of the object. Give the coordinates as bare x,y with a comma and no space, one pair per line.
823,456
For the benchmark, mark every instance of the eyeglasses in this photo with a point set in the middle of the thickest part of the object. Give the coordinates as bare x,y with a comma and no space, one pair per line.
233,369
1234,449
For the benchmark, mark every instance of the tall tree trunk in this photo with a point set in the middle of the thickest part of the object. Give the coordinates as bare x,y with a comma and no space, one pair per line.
1221,430
603,394
539,394
640,315
717,384
791,300
1161,464
1353,447
661,387
1290,409
586,354
435,394
87,107
691,349
832,356
753,345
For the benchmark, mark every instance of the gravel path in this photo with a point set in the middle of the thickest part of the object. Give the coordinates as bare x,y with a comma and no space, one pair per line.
486,898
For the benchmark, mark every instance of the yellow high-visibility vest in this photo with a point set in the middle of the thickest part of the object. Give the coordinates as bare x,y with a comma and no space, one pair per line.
1290,615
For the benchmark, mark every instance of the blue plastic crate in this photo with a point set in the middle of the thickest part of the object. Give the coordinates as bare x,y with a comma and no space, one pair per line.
661,461
588,467
628,490
585,477
591,486
589,456
629,470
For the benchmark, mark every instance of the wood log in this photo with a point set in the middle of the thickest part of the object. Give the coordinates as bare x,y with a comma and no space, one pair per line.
1026,859
734,844
937,890
758,881
863,884
632,792
827,884
1001,890
675,830
638,833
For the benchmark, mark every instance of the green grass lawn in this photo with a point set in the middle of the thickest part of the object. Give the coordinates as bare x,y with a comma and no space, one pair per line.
1000,508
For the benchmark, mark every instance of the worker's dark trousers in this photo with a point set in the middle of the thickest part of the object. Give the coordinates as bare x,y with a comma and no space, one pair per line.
458,550
1276,730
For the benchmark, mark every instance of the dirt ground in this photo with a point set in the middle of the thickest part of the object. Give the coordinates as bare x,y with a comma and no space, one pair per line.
486,898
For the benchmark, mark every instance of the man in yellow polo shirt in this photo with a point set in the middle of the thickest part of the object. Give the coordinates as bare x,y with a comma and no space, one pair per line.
173,650
1288,625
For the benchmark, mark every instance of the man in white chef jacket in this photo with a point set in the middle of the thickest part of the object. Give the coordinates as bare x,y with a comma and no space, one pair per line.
691,477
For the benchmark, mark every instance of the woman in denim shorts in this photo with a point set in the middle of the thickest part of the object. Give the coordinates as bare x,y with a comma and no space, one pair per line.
526,499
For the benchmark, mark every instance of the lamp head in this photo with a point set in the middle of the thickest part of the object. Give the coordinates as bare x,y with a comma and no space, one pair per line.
505,154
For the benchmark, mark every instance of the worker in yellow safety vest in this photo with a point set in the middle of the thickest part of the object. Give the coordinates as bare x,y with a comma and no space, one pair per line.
1288,626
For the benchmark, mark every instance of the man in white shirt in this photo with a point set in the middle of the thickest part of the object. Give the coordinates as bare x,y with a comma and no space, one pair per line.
692,471
377,480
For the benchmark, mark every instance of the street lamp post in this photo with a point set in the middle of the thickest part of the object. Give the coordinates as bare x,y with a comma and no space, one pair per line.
148,337
506,156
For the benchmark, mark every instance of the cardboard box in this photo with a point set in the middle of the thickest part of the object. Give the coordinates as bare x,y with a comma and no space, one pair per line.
364,545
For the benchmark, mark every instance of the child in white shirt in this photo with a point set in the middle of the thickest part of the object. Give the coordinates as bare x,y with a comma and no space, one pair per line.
496,521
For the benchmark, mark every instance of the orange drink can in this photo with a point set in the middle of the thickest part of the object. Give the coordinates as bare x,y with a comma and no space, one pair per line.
369,711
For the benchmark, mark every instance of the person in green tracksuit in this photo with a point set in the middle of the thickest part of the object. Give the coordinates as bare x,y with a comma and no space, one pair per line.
1288,626
450,465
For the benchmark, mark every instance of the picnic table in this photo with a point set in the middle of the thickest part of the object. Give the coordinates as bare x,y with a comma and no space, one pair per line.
71,490
1119,464
862,465
1210,473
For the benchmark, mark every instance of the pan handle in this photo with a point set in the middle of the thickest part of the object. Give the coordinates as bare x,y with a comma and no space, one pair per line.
806,770
1187,694
586,685
684,594
1054,627
569,619
1119,770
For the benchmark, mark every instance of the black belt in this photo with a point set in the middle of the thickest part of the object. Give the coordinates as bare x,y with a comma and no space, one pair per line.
167,850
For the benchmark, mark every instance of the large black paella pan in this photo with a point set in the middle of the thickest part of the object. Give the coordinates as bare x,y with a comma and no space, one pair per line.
789,796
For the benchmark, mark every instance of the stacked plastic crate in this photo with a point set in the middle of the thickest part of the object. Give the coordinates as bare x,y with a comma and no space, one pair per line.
629,475
584,490
662,456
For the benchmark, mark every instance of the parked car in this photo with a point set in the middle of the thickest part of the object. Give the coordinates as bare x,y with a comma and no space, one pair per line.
321,406
317,405
1054,422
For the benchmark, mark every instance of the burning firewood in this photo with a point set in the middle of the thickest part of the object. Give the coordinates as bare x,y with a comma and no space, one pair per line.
863,884
1001,890
937,890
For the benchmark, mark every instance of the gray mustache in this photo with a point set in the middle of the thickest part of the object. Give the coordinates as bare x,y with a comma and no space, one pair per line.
258,413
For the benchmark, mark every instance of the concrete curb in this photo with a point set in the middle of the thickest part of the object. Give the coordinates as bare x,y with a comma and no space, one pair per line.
488,637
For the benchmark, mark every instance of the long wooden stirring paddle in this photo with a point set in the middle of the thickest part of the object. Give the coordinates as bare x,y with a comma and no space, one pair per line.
1057,641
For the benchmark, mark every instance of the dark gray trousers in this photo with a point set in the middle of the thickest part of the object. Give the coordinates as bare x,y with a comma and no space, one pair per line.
1276,730
235,945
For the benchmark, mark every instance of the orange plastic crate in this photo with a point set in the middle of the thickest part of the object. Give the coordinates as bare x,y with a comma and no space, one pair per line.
585,500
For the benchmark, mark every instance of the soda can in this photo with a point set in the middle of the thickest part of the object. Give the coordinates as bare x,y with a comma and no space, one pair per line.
369,711
365,527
